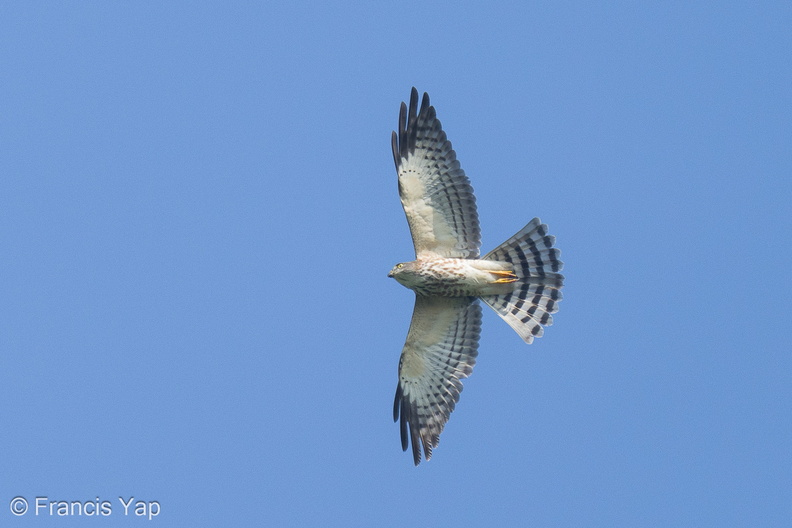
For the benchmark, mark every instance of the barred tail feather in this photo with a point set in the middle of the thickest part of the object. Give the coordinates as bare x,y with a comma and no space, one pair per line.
528,307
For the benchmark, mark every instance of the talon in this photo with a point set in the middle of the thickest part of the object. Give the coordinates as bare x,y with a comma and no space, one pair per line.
505,277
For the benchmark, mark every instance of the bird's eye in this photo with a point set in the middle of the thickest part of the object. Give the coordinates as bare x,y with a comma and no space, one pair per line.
399,266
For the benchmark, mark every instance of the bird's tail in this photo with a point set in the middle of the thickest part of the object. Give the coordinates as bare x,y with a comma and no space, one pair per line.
528,307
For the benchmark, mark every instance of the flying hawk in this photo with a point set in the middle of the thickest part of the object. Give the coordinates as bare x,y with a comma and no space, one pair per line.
519,279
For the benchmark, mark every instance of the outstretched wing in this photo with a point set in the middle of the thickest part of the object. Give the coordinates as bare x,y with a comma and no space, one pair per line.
441,349
435,193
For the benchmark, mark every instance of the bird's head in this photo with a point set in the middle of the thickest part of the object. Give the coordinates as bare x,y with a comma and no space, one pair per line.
403,272
396,270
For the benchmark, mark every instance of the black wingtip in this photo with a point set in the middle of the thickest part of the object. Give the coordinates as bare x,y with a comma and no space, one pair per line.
398,137
408,426
400,411
403,140
395,148
425,103
413,112
397,402
413,97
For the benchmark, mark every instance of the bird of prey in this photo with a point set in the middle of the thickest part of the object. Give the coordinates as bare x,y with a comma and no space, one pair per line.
519,279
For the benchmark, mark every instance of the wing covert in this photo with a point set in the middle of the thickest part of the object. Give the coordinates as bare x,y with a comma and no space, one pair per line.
440,350
435,192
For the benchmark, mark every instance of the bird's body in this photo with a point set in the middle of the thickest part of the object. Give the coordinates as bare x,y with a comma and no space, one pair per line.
519,279
454,277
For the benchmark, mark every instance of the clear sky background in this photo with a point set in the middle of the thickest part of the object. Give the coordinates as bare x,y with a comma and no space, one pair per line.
198,210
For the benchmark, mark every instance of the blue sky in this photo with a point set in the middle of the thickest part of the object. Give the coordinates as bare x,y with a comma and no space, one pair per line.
198,210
